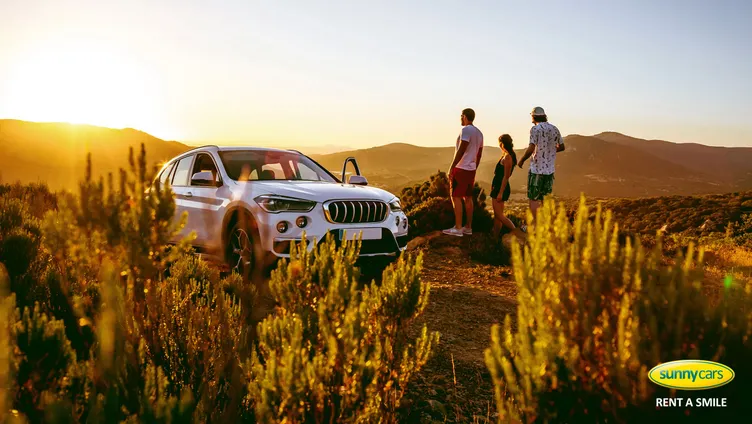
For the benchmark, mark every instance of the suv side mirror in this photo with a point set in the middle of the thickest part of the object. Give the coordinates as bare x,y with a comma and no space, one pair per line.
357,180
204,179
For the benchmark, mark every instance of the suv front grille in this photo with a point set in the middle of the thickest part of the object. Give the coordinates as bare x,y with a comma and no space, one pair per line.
356,211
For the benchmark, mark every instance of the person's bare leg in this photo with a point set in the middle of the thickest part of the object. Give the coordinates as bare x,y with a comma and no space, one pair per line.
468,212
534,205
457,204
505,221
497,218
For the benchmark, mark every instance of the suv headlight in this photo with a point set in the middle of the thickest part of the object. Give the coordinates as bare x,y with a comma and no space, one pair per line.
395,205
273,204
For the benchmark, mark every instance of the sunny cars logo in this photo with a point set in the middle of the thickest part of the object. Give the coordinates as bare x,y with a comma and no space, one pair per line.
691,374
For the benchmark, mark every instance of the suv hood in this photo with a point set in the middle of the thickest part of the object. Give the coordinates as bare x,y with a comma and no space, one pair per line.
319,191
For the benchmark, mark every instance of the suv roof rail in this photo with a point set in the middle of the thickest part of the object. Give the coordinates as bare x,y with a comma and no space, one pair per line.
199,147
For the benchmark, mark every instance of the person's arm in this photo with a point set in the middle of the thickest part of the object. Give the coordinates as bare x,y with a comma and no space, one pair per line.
559,142
507,172
530,148
460,152
464,143
529,152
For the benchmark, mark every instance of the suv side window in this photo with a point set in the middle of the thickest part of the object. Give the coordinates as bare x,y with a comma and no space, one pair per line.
204,162
165,174
182,171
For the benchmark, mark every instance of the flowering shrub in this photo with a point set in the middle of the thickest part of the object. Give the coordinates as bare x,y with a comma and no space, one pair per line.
595,316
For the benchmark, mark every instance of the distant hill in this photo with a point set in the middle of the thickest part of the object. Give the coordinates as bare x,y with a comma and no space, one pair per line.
728,165
605,165
55,153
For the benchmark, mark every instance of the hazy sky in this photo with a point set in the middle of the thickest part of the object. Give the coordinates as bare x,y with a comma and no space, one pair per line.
364,73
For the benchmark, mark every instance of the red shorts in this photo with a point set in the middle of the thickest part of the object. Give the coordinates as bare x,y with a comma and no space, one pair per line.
462,182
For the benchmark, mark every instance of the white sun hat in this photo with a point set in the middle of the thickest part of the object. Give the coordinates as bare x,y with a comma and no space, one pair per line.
538,111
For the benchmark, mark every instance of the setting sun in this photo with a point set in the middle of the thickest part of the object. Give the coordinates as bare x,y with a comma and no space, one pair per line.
85,83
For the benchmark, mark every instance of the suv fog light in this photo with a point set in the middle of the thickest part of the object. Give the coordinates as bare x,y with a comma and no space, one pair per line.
397,221
301,222
282,226
404,223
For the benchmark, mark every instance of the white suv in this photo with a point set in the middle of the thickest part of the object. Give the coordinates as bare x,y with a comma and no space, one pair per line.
246,205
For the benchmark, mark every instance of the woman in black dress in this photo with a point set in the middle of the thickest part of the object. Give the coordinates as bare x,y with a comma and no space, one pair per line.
500,189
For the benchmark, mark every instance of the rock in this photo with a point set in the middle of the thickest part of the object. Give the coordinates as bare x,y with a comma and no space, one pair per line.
423,240
433,235
508,239
416,243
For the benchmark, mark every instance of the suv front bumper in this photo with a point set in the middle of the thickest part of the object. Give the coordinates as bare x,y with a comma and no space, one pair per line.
390,244
393,238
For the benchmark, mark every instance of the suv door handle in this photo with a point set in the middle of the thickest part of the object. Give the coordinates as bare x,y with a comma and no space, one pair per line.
189,194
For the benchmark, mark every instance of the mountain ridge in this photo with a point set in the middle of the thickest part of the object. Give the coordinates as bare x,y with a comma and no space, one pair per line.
608,164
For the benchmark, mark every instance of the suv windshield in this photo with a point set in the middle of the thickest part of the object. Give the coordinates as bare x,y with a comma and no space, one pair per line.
250,165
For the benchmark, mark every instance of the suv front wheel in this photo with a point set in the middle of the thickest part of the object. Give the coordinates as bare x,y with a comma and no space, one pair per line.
240,249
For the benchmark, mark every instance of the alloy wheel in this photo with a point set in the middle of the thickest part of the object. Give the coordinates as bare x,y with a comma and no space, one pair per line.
241,252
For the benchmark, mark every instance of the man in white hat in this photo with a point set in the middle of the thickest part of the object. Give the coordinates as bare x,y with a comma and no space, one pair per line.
545,142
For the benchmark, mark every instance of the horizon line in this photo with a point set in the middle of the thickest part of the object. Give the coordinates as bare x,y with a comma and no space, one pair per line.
198,143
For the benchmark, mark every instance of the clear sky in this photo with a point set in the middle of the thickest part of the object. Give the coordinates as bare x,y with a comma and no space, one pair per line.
365,73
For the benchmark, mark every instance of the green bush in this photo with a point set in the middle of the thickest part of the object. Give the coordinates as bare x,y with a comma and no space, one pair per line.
431,215
594,317
44,357
8,365
333,352
36,197
197,336
21,250
437,185
695,216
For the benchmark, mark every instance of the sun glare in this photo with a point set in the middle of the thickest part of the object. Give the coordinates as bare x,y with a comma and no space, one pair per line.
85,84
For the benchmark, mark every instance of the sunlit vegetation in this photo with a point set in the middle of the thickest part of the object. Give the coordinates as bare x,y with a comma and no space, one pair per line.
103,320
595,313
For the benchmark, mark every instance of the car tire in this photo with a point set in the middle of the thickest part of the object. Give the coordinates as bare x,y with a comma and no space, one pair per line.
240,249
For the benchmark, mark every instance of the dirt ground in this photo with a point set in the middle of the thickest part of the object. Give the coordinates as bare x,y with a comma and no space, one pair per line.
466,299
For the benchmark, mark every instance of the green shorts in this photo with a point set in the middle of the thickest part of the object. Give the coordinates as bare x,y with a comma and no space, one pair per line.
539,185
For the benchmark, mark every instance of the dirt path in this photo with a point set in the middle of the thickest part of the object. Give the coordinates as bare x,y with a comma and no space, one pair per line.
466,299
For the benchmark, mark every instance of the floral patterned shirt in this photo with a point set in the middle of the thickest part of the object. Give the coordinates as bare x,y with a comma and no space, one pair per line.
545,137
